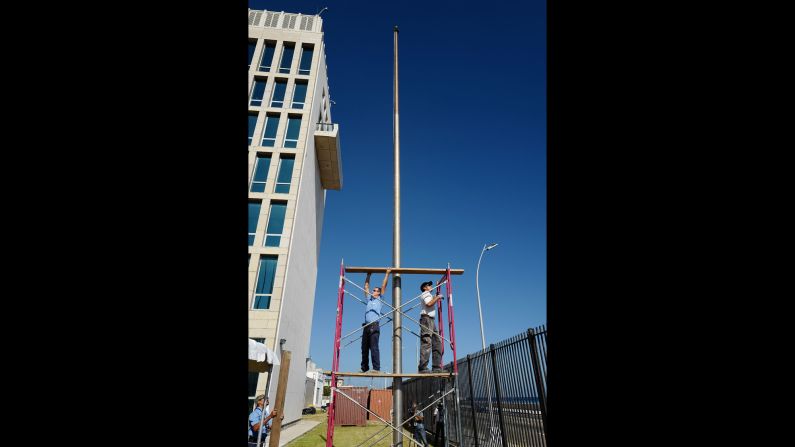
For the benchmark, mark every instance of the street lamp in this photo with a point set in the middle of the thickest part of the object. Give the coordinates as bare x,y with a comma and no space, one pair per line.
483,339
477,286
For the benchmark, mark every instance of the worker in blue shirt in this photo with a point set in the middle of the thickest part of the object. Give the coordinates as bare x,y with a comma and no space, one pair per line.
372,327
255,420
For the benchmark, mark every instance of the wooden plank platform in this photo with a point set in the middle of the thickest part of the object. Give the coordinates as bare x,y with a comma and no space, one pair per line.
385,374
404,270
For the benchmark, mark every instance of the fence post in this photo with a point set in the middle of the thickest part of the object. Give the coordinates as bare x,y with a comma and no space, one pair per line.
497,391
458,412
446,429
542,397
471,402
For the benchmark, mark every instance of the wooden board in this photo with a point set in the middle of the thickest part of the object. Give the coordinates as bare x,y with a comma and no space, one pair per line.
281,390
404,270
384,374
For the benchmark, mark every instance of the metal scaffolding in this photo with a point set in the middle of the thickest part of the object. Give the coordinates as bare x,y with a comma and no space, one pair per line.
397,421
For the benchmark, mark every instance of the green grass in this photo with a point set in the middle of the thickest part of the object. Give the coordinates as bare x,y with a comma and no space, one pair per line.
345,436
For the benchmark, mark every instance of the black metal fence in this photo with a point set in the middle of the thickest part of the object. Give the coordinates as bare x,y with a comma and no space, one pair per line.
502,394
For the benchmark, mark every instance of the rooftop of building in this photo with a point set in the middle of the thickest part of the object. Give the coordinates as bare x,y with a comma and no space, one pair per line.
285,20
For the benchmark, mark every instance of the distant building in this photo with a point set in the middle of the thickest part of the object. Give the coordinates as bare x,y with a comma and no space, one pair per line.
326,383
314,384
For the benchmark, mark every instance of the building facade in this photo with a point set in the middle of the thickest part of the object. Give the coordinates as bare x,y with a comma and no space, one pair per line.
293,158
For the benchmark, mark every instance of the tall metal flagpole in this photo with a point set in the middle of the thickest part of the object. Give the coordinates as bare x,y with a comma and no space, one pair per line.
397,335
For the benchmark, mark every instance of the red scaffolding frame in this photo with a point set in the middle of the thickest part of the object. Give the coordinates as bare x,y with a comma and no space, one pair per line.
335,372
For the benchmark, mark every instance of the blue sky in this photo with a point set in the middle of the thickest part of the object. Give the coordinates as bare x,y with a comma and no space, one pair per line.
473,161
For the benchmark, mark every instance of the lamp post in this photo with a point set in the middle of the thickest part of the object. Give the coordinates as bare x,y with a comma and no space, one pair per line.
486,248
477,286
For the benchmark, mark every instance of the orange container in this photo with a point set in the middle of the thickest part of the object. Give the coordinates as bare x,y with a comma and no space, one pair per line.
380,404
347,412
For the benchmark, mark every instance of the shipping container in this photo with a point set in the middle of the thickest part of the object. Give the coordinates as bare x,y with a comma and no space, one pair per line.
347,412
380,404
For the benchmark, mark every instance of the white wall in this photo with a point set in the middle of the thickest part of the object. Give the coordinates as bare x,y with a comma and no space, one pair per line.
299,291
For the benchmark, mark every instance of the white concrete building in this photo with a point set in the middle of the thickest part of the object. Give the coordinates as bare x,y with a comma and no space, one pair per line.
294,157
315,379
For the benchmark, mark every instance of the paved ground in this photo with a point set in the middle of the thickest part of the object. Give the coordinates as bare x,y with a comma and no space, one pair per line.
295,430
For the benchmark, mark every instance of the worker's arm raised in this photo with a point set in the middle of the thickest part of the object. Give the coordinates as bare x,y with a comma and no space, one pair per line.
256,426
386,280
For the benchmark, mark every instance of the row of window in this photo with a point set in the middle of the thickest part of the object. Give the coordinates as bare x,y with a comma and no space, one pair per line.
263,291
266,270
271,126
287,51
275,227
283,176
277,95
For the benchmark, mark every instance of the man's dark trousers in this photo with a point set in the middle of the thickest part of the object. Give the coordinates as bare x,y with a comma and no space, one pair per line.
370,336
438,434
429,341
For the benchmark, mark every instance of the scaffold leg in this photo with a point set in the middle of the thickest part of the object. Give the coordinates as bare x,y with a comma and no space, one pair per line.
451,318
335,360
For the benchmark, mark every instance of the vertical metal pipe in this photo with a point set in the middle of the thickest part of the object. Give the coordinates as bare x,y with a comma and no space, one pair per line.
446,427
471,402
543,351
483,341
497,391
440,317
524,364
457,408
397,335
524,414
451,317
509,400
336,355
508,390
480,391
477,288
541,392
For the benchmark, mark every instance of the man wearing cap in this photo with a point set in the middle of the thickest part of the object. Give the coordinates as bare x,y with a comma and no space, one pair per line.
428,334
438,417
255,420
372,327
